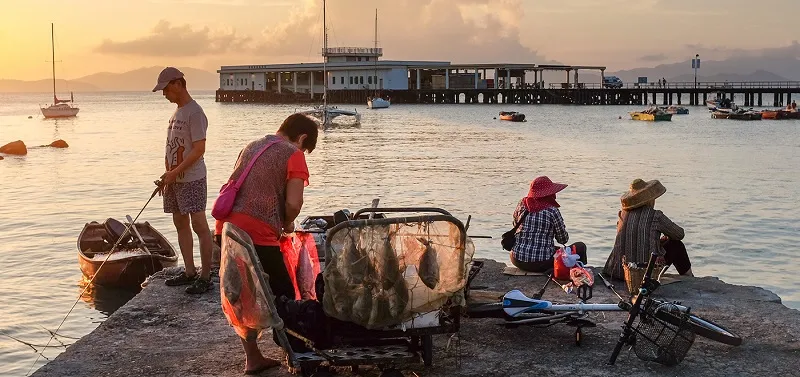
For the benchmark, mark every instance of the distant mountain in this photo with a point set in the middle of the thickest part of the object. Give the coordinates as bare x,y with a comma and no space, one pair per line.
45,86
780,68
145,79
142,79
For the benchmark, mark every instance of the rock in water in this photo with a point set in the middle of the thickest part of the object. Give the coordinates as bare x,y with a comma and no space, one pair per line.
59,144
15,147
1,157
429,265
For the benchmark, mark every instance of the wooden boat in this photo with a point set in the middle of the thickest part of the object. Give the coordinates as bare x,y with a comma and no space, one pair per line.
512,116
737,115
138,256
675,110
652,115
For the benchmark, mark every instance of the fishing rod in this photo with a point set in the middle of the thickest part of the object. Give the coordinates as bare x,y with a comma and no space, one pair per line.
159,186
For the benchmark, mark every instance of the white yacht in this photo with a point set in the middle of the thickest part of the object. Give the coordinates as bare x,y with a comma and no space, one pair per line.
61,108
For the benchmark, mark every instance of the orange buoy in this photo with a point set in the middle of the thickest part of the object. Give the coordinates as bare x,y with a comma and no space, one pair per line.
15,147
59,144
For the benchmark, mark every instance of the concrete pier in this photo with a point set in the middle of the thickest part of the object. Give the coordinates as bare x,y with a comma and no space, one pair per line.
572,95
165,332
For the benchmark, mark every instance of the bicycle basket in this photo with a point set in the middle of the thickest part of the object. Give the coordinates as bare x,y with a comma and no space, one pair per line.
661,341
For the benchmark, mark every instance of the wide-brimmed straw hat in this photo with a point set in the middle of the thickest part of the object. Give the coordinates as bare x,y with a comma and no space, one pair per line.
641,193
543,186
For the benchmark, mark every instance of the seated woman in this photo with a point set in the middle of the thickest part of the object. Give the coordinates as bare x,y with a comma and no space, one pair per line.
639,230
541,221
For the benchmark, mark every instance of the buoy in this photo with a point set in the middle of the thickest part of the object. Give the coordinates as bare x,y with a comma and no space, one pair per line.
15,147
30,116
620,117
59,144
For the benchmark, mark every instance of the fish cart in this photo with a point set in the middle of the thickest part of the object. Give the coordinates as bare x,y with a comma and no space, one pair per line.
389,284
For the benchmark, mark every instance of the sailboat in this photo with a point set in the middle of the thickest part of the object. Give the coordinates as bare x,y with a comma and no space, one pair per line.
377,102
324,113
61,108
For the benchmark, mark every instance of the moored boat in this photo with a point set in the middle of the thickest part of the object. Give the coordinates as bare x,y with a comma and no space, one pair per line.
737,115
512,116
137,256
652,115
675,110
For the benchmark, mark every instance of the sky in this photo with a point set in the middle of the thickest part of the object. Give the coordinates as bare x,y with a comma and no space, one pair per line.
121,35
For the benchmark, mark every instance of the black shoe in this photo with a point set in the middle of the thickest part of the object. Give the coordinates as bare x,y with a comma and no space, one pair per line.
181,279
199,286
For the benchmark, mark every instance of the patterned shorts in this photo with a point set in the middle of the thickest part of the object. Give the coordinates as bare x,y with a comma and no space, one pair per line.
186,197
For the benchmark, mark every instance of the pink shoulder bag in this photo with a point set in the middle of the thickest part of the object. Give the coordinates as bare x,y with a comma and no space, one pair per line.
223,205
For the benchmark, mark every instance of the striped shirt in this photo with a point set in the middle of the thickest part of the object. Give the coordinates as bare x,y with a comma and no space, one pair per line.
638,235
535,235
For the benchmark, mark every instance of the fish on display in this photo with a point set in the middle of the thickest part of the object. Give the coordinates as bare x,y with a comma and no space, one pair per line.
356,263
428,265
362,308
390,273
305,275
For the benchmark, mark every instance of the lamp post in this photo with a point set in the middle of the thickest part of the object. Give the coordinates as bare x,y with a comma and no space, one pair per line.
696,65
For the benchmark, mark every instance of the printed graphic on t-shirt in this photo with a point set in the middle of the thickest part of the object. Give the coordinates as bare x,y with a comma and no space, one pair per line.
175,150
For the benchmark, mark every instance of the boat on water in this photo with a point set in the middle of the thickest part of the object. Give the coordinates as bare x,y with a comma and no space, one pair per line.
61,108
512,116
675,110
720,103
323,113
137,256
376,101
653,114
739,114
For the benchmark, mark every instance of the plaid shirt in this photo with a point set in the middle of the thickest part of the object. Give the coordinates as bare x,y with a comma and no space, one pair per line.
535,235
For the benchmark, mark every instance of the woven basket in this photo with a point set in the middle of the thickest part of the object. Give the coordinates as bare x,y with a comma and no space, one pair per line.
635,275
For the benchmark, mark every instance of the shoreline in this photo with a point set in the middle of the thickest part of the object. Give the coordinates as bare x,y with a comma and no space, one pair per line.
163,331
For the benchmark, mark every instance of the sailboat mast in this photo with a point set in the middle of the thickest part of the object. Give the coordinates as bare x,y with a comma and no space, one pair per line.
53,49
375,78
324,65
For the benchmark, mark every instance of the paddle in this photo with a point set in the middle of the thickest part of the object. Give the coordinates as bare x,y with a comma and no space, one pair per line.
136,232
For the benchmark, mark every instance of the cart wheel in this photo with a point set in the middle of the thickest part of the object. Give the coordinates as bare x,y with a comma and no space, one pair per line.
578,336
427,350
391,372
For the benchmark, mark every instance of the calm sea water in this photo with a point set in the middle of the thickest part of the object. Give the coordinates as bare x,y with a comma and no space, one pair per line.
734,186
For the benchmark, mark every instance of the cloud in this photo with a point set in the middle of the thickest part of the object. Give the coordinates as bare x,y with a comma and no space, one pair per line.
461,31
166,40
653,58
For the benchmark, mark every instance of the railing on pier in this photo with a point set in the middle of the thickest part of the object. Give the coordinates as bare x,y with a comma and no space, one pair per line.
687,85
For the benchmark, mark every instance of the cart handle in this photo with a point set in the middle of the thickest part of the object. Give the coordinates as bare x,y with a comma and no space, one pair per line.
401,209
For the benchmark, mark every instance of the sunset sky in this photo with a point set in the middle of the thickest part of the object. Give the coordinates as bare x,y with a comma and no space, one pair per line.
120,35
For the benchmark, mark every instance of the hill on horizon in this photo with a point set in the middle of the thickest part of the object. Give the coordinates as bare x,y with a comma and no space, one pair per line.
142,79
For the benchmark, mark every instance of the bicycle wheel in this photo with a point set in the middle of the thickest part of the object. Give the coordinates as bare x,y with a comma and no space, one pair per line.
703,327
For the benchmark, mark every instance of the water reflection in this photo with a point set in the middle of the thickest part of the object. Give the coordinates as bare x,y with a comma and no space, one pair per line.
106,300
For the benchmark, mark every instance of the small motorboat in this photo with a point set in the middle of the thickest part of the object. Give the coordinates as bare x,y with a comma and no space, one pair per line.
512,116
653,114
739,114
141,253
378,103
720,103
675,110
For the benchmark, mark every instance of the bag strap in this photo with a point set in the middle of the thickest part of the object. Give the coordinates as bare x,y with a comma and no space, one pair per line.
521,219
253,161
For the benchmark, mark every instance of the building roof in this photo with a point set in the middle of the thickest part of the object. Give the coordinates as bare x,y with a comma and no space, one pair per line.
389,64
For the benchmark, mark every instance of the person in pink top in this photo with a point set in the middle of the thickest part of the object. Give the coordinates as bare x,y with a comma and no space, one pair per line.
267,204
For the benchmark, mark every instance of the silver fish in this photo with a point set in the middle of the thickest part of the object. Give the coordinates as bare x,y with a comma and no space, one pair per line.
232,281
390,273
356,263
428,265
362,308
305,276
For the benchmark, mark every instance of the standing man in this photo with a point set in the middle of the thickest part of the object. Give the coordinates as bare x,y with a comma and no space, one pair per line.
185,190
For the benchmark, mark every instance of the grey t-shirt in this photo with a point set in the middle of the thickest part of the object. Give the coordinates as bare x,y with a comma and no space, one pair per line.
187,125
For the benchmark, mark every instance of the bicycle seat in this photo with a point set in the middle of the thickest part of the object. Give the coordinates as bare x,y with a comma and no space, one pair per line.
515,302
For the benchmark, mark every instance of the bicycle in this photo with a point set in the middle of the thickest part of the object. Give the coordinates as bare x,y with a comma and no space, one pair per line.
666,328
